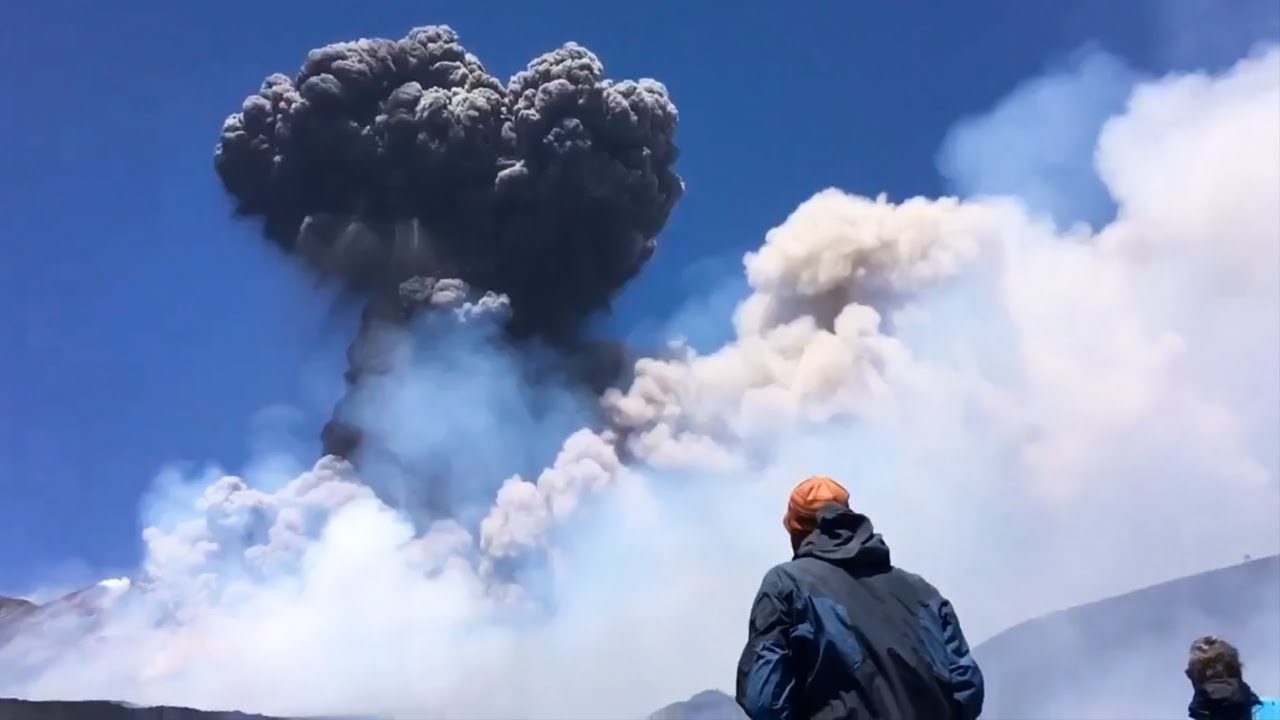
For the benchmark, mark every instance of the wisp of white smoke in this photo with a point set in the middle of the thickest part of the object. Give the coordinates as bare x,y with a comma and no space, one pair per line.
1033,418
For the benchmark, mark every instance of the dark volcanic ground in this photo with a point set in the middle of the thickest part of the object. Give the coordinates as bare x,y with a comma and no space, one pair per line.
97,710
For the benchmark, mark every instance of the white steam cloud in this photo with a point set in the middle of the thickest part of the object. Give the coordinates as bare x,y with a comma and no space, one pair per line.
1038,143
1033,419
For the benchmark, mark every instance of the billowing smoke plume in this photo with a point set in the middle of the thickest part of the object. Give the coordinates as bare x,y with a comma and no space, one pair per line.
1034,417
387,160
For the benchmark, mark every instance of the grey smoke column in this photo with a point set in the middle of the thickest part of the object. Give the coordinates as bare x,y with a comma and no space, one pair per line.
388,160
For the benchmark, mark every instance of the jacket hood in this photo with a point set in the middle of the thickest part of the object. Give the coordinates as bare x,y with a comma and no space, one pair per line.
1223,699
846,538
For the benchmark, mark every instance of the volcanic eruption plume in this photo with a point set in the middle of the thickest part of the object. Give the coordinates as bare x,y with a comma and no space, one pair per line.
408,175
1035,413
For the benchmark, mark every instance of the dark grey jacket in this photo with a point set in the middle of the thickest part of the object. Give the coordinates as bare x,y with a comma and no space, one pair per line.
838,632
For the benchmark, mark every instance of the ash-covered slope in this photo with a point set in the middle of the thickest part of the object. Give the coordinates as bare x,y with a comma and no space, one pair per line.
706,705
12,610
101,710
77,613
1124,656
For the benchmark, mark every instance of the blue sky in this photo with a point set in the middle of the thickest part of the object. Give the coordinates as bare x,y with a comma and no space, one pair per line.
142,326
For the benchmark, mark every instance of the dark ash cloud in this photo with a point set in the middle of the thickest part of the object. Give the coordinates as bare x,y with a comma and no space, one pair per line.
391,161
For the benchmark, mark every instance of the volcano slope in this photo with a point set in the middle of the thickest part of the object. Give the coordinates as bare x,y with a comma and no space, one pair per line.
1118,657
1124,656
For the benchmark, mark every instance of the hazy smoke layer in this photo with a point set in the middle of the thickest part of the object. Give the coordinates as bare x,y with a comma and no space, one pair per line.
386,160
1033,419
1038,143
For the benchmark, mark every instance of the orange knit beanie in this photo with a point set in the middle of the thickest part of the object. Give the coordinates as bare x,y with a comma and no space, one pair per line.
807,499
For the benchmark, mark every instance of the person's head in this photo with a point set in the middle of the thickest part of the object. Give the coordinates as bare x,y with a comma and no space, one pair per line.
806,500
1213,658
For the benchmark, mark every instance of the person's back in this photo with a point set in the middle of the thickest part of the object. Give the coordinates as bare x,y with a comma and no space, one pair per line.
839,632
1219,691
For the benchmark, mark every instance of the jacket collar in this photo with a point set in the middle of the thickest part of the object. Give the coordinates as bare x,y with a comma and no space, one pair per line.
847,538
1223,699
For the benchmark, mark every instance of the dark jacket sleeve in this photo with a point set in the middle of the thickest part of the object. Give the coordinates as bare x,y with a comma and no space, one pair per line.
966,677
766,672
